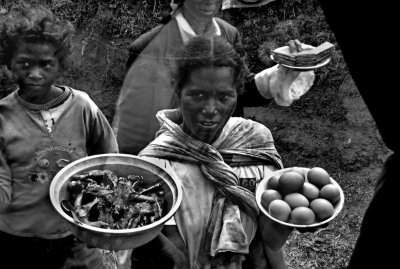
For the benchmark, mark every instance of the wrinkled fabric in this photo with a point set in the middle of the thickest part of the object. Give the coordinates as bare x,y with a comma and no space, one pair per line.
232,236
246,137
30,157
225,231
283,84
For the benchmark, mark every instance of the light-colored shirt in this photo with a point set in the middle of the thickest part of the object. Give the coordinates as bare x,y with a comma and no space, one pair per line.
30,157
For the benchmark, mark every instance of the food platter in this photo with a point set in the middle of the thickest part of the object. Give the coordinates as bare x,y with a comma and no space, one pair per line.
304,68
309,58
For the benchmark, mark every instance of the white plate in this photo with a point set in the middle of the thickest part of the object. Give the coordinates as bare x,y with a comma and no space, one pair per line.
304,68
262,186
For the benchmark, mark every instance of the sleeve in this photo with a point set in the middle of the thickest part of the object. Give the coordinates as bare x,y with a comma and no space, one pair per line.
252,96
101,138
137,46
5,179
279,83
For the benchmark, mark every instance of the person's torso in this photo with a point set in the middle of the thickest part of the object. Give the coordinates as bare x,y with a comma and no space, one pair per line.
34,156
193,215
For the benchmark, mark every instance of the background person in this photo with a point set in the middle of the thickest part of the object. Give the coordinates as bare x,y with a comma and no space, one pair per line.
147,85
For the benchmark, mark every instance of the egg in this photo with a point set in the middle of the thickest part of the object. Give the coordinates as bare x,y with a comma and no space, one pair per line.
322,208
310,191
318,176
290,182
273,182
280,210
296,200
268,196
302,215
330,192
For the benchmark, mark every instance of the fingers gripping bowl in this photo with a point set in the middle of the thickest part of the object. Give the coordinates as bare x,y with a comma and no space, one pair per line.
300,199
123,165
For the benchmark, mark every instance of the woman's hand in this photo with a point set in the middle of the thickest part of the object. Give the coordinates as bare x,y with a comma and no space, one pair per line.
161,252
273,234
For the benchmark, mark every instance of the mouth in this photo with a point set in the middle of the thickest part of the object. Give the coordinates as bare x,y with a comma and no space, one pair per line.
207,11
208,124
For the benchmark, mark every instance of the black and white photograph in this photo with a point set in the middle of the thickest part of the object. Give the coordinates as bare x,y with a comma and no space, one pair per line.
198,134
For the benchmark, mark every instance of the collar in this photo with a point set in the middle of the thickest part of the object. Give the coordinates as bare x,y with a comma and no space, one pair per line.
186,30
52,104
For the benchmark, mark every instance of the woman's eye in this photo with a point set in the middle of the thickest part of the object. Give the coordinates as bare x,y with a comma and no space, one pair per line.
24,64
224,97
47,64
198,95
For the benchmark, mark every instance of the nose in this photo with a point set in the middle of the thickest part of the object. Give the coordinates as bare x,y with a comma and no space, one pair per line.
35,73
210,107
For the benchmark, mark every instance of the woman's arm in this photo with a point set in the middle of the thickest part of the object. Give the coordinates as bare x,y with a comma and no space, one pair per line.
250,98
162,252
279,83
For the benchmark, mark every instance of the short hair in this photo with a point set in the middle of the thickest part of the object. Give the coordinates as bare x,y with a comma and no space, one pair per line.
38,24
201,51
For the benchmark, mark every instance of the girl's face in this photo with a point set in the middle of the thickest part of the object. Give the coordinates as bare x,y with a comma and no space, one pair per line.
207,101
202,8
35,68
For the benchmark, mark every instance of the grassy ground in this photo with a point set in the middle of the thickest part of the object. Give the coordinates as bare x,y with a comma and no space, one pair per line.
328,127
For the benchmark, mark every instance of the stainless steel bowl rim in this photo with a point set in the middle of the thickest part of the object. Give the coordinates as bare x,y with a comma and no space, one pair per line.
111,232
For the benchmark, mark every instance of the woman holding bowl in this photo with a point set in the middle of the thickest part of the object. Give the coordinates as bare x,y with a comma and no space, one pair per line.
219,160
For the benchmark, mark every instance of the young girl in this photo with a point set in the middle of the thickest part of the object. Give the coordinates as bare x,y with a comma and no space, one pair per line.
43,127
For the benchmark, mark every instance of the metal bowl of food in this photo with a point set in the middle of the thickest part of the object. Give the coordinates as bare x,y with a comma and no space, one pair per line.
116,212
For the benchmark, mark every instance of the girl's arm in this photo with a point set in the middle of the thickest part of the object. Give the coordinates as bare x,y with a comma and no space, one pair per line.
5,181
101,138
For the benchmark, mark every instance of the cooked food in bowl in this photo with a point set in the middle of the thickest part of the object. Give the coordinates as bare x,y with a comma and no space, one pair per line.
120,188
102,199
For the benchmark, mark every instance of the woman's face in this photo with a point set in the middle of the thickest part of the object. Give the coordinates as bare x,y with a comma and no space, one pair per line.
202,8
207,101
35,68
